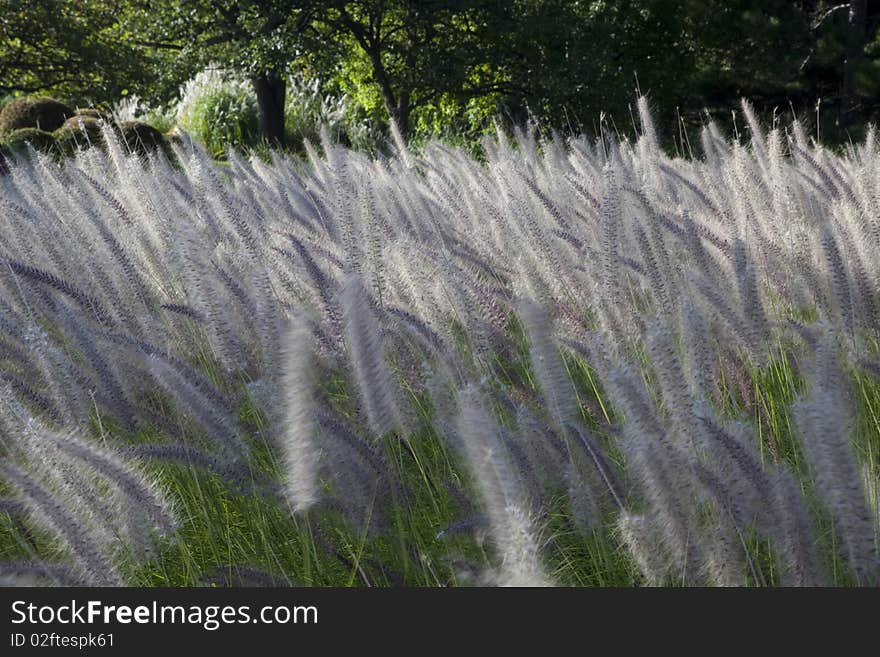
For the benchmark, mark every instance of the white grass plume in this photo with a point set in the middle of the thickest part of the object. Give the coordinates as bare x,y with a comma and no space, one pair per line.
512,524
300,451
825,428
374,380
548,365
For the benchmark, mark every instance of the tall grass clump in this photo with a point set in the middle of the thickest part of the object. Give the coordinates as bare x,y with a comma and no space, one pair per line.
564,362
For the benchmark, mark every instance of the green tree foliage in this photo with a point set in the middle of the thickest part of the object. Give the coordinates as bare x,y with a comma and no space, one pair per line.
75,49
435,65
567,63
579,60
417,54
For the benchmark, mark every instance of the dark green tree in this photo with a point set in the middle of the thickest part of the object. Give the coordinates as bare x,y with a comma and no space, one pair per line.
77,49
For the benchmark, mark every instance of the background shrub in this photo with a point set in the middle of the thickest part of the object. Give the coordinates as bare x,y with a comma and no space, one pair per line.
80,131
219,109
45,114
140,136
16,142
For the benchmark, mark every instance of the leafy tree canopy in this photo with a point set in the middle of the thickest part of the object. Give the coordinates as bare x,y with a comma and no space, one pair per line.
455,64
78,49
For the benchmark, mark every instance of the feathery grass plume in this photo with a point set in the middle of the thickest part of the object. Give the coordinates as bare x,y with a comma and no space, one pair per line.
373,232
219,427
794,536
666,364
269,324
95,481
750,297
300,450
691,187
358,478
95,507
108,377
343,202
664,478
183,309
653,269
139,349
546,273
142,496
603,466
107,196
45,510
356,465
67,386
88,303
719,303
757,496
759,145
699,361
736,459
697,232
237,293
400,144
206,291
825,429
237,474
367,353
546,452
611,224
864,286
798,135
547,364
26,393
663,475
642,538
649,132
826,184
137,286
512,524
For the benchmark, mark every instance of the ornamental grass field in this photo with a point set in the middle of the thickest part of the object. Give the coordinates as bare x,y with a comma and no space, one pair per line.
563,362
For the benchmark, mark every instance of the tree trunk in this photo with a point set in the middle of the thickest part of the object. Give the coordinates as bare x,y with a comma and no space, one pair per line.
270,90
398,108
401,113
855,48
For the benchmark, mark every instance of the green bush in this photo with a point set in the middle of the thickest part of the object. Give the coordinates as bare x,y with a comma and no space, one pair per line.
15,143
132,108
83,131
220,110
80,131
44,114
140,137
92,113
